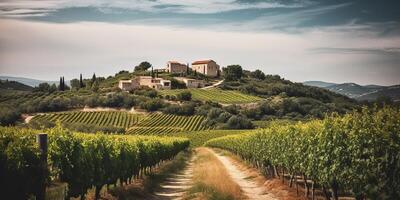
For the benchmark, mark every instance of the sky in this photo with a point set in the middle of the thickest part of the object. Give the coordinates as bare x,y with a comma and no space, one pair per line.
336,41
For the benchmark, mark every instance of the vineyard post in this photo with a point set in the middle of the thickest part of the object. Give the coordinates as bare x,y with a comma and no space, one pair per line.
41,139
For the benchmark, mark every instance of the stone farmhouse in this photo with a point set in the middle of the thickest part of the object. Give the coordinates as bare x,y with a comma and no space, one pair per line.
176,67
148,81
191,83
206,67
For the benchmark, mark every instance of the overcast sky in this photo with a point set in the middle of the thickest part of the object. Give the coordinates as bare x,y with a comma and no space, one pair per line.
336,41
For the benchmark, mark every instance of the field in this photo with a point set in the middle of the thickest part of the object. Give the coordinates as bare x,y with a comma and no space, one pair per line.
102,118
165,124
216,95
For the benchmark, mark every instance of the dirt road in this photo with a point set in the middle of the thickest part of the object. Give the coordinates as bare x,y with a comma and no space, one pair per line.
251,189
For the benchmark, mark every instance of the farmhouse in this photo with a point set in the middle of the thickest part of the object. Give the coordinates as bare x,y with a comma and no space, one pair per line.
176,67
128,85
155,83
206,67
191,83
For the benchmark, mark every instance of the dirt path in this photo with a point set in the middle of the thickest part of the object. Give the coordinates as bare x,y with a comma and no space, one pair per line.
250,188
214,85
177,184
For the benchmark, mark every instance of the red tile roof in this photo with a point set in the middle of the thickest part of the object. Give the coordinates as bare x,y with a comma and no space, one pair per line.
201,62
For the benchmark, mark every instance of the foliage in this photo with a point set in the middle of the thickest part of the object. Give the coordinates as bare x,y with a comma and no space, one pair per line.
163,124
152,105
359,152
175,84
100,119
143,66
216,95
81,160
187,109
8,116
257,74
232,72
184,96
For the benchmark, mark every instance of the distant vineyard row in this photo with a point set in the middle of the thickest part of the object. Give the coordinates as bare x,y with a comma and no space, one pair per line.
135,123
165,124
216,95
104,118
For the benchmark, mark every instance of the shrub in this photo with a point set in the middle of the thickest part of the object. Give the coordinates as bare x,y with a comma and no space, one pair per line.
184,96
239,122
152,105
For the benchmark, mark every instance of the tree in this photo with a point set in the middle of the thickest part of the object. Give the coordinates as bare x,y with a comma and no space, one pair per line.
43,87
95,86
233,72
94,78
258,74
143,66
81,85
152,72
60,84
75,84
184,96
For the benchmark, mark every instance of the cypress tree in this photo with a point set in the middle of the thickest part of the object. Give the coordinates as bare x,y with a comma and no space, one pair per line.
152,72
60,84
93,78
80,82
63,86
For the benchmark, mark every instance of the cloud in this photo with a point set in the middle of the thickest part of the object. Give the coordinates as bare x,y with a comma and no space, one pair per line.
382,51
23,8
52,50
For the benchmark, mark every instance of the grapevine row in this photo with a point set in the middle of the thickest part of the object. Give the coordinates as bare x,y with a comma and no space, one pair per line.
81,160
217,95
100,118
162,124
356,154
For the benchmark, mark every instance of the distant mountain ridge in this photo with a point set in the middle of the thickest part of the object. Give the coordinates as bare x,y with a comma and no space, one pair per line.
27,81
359,92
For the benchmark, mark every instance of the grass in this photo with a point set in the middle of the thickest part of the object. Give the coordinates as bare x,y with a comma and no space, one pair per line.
211,180
216,95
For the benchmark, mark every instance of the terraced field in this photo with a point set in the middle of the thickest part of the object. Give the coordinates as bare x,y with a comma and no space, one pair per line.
216,95
100,118
165,124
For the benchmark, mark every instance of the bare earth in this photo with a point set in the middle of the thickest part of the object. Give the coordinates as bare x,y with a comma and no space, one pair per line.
175,186
250,187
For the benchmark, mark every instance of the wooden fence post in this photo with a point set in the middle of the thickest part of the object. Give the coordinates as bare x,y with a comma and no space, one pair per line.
41,139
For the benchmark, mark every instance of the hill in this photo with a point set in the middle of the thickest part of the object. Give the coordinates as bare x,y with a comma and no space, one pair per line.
320,84
28,81
14,85
360,92
392,91
352,90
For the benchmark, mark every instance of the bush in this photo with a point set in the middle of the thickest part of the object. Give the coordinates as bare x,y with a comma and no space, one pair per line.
184,96
214,113
239,122
185,109
9,116
152,105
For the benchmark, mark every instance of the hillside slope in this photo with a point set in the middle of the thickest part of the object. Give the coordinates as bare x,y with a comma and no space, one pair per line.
14,85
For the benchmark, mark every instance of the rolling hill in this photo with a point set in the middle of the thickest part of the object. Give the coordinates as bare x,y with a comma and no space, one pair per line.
14,85
29,81
359,92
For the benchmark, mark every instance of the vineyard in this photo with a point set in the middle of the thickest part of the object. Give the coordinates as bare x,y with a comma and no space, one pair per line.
81,160
216,95
357,155
165,124
102,118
